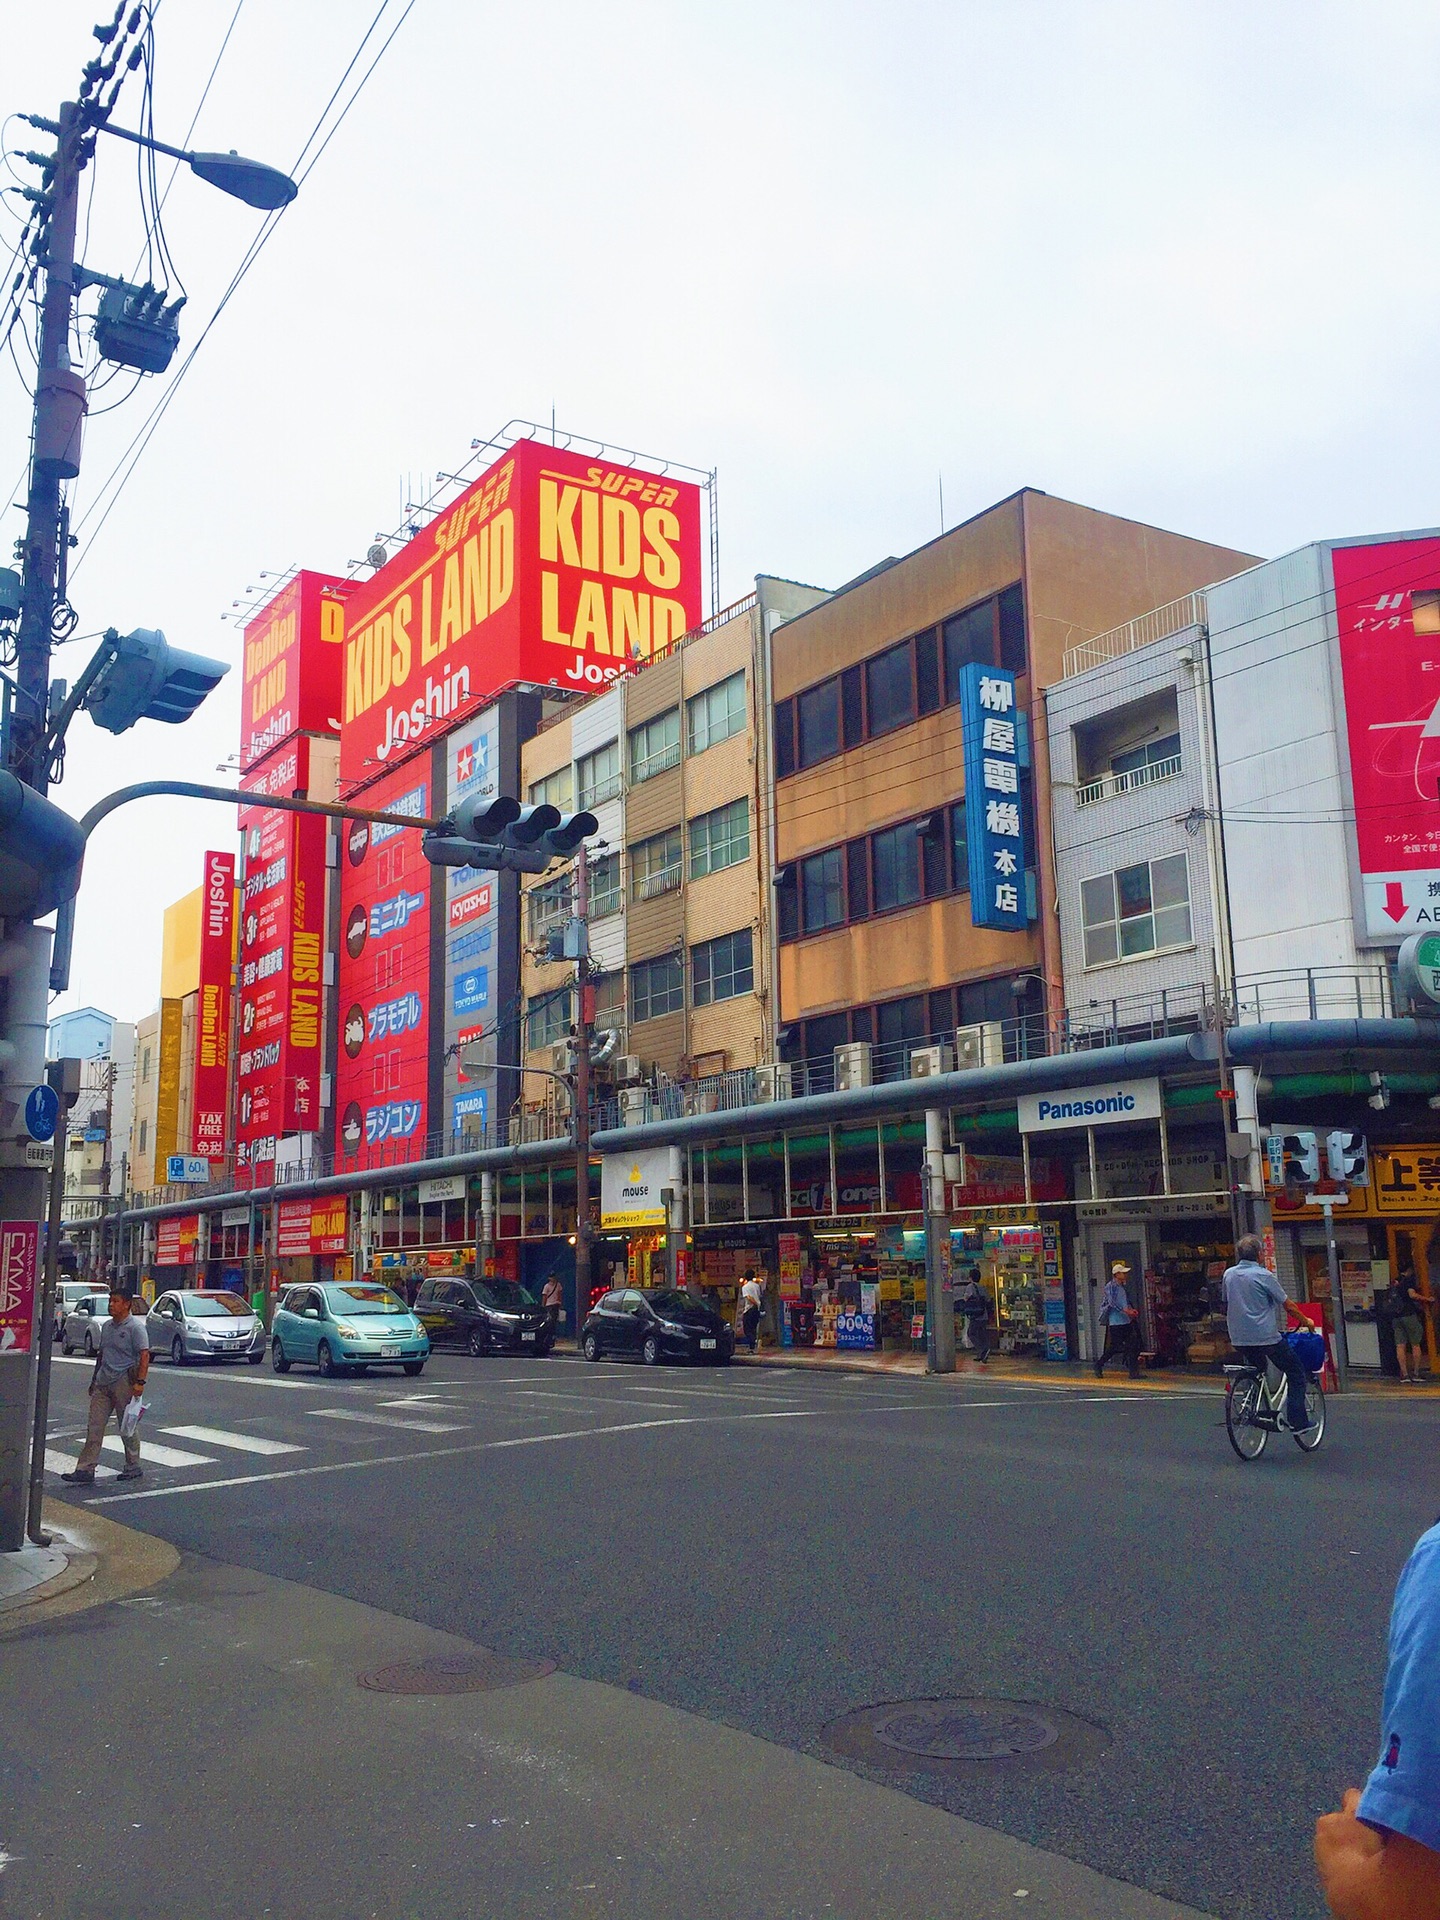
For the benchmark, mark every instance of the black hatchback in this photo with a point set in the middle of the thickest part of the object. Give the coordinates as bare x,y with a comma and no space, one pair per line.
483,1316
670,1325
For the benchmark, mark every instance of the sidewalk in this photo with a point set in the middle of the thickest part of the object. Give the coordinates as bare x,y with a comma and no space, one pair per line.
89,1561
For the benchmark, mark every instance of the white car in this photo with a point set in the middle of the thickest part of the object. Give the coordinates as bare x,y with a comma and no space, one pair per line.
68,1295
85,1323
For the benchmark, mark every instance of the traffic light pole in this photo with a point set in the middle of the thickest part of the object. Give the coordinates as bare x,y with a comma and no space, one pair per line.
43,1324
583,1033
1326,1203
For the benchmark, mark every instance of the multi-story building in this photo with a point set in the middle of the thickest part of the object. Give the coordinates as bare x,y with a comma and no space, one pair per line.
881,944
99,1124
673,762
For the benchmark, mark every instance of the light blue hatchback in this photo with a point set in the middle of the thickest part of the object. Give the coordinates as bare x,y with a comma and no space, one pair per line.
346,1328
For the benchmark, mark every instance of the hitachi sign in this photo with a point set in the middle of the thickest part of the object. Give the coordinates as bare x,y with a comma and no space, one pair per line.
1107,1104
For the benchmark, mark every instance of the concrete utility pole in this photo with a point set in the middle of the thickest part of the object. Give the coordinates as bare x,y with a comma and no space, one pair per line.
584,1028
939,1287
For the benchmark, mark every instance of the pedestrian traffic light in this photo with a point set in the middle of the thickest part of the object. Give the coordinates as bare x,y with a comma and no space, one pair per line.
145,678
501,835
1347,1158
1300,1159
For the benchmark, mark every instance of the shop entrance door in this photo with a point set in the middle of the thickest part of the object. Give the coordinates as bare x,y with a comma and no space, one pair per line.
1132,1252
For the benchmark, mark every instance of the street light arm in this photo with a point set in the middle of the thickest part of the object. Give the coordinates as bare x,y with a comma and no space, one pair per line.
259,186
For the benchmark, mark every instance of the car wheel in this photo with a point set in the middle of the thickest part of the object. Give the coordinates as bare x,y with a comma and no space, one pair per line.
89,1347
277,1357
650,1352
475,1342
723,1359
177,1351
325,1361
255,1358
590,1347
414,1369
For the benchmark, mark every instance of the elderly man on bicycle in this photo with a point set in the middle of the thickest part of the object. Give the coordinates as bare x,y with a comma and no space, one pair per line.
1256,1309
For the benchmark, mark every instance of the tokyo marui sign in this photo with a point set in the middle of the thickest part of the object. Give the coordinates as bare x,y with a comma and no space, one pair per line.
1110,1103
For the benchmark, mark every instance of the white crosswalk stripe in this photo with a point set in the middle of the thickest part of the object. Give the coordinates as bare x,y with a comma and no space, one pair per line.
237,1442
156,1456
385,1420
57,1462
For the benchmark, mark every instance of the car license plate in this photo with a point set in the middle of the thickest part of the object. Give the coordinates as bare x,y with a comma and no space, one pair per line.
707,1343
527,1335
390,1353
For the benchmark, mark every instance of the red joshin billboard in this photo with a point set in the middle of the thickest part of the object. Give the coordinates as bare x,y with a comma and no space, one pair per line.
1387,609
281,959
382,1062
212,1023
551,568
290,682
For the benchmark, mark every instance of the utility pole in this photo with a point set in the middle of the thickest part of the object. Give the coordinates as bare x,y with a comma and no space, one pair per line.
584,1027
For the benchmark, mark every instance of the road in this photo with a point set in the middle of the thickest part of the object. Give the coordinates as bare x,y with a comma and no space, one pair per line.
768,1551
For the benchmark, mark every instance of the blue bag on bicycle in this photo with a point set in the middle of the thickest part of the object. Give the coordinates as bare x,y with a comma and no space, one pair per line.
1308,1347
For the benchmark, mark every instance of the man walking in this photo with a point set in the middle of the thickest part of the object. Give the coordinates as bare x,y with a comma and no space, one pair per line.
552,1298
118,1377
1118,1318
1256,1309
976,1308
752,1303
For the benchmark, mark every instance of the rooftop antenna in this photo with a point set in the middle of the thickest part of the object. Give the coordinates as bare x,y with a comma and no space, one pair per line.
941,479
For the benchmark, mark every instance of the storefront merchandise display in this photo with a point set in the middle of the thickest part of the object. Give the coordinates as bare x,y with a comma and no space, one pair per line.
1182,1281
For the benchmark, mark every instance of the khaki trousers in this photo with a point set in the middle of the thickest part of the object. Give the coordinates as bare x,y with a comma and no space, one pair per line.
103,1402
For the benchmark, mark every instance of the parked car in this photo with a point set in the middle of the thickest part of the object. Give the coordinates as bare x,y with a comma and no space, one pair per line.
68,1295
85,1322
349,1325
484,1316
204,1324
670,1325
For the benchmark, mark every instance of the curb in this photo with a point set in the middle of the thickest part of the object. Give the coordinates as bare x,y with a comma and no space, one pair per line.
106,1562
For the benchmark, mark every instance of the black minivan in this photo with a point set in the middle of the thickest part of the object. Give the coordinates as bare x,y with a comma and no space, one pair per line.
669,1325
483,1316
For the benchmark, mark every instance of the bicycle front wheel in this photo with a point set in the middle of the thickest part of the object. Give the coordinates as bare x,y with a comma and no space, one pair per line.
1315,1410
1242,1402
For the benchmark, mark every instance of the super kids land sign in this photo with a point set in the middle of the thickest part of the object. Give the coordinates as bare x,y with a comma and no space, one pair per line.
551,568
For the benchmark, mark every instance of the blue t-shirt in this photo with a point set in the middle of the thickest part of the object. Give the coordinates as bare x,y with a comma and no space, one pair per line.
1403,1793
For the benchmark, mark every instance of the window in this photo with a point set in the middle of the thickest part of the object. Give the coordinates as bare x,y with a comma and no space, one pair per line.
890,690
144,1129
857,878
959,848
927,672
655,866
549,905
934,868
144,1066
969,636
720,839
555,790
656,987
1140,760
895,857
548,1019
597,776
605,897
1138,910
899,1021
655,746
822,890
787,903
852,706
716,714
723,969
784,739
609,1000
818,714
1012,629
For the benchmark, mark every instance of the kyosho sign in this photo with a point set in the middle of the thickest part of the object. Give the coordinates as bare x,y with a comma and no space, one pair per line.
1110,1103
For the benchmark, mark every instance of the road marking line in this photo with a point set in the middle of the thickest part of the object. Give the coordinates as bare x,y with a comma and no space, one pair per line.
594,1399
385,1420
57,1462
158,1456
239,1442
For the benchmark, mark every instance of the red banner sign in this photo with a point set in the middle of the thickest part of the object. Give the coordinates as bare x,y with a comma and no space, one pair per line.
551,568
291,678
311,1226
176,1239
19,1260
212,1023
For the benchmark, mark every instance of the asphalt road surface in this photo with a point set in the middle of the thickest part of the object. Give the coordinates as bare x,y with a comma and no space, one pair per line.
770,1551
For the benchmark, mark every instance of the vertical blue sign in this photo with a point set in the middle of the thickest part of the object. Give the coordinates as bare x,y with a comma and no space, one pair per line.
995,840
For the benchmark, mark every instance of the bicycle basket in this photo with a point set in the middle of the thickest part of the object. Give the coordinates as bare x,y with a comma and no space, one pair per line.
1309,1348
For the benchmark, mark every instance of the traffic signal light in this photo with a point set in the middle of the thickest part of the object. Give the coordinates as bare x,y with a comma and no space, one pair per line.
41,851
145,678
1300,1159
1347,1157
500,834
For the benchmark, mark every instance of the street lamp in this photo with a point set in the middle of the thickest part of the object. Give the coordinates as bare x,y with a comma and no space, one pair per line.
249,180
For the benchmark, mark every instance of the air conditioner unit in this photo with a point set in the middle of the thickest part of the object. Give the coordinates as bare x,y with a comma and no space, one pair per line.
852,1066
560,1100
701,1100
774,1081
926,1062
526,1127
560,1057
982,1045
634,1106
628,1069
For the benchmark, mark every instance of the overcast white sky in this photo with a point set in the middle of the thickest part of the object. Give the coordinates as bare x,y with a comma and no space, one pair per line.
1174,261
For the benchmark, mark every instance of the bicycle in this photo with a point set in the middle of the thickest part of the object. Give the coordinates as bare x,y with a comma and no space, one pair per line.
1255,1408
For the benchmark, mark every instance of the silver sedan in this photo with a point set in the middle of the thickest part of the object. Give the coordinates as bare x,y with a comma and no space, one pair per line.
85,1322
200,1324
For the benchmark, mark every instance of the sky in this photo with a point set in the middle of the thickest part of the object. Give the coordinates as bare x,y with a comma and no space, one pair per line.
1174,261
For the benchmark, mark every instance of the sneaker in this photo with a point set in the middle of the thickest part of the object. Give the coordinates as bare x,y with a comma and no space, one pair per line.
130,1473
79,1479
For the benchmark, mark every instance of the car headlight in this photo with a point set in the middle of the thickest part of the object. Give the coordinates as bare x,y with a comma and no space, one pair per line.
346,1333
671,1326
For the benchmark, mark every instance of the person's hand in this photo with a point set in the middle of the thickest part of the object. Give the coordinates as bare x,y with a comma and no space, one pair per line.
1346,1855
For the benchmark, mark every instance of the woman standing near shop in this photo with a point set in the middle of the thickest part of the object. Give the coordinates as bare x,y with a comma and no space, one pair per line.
1118,1318
1407,1319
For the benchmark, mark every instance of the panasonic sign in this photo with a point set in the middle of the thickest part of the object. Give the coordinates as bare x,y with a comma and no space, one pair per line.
1108,1104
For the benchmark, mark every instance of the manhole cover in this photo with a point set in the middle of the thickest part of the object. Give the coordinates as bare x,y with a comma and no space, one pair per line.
964,1737
471,1673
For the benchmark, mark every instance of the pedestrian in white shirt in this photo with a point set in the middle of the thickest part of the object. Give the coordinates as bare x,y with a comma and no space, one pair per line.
752,1305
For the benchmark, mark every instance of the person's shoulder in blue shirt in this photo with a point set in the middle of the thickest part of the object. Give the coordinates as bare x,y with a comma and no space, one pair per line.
1380,1856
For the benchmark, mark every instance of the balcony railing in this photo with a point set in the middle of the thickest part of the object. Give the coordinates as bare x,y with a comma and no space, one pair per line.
1130,781
1159,624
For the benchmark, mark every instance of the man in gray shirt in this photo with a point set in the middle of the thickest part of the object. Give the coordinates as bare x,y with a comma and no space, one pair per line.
119,1376
1256,1309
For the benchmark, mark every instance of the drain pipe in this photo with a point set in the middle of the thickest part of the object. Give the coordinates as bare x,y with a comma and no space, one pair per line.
487,1221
